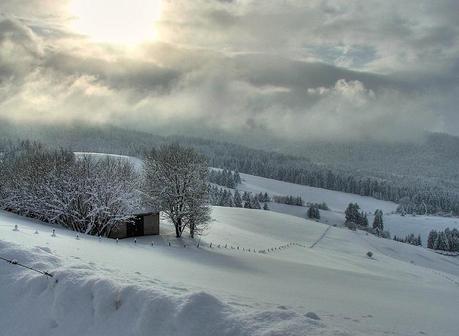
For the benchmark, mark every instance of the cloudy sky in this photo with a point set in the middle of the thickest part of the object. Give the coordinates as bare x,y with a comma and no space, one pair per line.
296,69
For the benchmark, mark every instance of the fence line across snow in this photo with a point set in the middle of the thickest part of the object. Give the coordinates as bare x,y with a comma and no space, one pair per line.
16,263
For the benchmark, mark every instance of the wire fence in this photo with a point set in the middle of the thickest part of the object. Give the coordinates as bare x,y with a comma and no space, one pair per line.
198,244
16,263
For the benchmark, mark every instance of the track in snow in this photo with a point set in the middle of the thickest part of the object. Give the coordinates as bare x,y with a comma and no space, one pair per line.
321,237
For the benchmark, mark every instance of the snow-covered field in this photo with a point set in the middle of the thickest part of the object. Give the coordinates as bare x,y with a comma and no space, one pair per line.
126,288
338,201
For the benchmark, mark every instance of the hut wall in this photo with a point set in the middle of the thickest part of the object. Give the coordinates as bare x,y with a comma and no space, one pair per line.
151,224
120,232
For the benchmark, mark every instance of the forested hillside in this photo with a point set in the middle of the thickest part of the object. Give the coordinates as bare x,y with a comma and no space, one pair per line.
415,193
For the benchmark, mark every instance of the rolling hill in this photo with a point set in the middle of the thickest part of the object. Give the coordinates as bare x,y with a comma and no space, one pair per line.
299,277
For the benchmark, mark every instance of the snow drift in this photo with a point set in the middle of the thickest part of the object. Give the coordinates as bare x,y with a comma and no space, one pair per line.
78,301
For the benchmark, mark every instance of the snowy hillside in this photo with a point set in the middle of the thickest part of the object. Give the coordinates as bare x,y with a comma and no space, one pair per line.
127,288
338,201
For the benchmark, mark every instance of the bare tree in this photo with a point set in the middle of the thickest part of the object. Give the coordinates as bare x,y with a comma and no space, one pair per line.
176,180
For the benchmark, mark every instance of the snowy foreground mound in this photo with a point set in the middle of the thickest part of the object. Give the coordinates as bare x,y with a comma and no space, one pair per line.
304,278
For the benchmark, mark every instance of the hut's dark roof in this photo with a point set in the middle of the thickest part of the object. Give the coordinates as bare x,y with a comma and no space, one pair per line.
144,211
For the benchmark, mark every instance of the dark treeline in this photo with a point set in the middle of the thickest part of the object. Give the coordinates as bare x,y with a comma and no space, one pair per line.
321,206
226,198
225,178
421,197
417,195
410,239
447,240
290,200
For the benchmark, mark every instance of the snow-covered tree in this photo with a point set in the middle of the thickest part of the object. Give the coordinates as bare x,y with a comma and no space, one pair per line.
352,214
85,195
176,181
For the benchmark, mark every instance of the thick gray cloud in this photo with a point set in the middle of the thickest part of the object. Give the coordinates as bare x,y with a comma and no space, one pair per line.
296,69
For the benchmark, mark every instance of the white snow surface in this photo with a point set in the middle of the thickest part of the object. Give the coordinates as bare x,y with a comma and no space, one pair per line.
126,288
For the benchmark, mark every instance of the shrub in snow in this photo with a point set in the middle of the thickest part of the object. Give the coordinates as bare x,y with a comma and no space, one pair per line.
370,254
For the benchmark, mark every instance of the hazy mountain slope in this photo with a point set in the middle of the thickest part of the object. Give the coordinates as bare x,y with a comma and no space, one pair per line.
378,175
435,156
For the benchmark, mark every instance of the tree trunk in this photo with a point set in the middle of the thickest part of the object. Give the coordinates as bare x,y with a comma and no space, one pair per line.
178,225
192,230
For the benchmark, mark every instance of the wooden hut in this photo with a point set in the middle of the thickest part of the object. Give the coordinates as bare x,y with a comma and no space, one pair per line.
144,223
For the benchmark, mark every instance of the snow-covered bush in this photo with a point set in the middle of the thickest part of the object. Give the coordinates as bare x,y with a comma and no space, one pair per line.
85,195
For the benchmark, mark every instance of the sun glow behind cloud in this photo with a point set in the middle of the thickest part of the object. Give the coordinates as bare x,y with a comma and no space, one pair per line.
115,21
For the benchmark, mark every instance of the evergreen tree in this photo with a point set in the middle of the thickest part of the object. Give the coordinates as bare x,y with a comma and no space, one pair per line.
313,212
237,200
378,223
363,220
352,214
265,206
237,178
266,197
254,204
431,239
441,242
246,196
